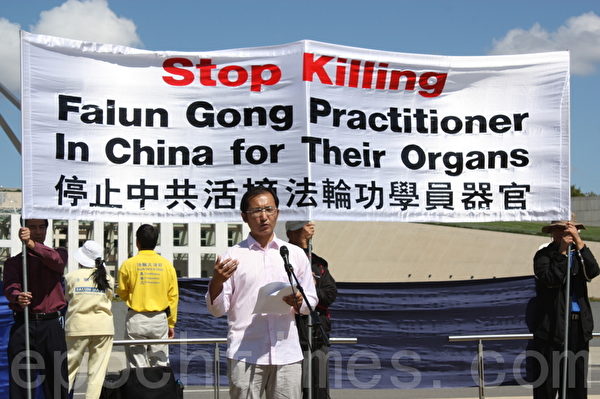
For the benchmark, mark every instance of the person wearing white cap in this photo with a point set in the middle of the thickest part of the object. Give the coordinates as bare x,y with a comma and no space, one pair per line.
550,266
89,320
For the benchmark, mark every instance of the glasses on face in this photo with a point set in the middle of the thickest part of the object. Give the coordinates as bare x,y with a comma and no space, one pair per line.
269,210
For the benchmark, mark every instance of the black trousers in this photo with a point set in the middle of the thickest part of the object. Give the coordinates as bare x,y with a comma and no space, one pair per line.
548,366
319,380
48,354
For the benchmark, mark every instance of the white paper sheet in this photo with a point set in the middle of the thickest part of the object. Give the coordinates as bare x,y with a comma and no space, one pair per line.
270,298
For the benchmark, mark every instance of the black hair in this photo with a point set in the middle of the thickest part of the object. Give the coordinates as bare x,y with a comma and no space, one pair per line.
99,276
253,192
24,221
147,236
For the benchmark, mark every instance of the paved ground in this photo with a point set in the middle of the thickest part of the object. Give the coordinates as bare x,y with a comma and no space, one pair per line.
117,362
507,392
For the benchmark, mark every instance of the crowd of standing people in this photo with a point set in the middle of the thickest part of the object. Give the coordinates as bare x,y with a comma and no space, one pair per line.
269,352
70,314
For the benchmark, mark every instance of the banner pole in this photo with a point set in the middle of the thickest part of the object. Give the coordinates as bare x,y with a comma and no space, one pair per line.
26,323
25,286
567,317
310,335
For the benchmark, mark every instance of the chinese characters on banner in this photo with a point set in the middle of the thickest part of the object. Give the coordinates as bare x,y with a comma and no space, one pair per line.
116,133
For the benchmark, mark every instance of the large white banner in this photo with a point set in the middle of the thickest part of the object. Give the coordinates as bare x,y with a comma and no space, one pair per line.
341,133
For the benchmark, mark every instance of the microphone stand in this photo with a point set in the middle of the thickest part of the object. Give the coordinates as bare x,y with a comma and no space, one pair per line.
313,316
567,320
292,277
309,338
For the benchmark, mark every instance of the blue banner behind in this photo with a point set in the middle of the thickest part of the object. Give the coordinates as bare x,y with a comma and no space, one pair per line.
6,322
402,331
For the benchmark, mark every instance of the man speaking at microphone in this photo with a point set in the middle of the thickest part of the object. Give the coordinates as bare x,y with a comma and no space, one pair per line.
264,354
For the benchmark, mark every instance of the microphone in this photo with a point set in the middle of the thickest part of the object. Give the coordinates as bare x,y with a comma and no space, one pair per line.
285,254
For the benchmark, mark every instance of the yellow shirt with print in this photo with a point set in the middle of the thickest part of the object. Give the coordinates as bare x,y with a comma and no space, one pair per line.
148,283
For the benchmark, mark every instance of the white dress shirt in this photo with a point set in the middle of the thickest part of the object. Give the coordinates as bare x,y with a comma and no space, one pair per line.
266,339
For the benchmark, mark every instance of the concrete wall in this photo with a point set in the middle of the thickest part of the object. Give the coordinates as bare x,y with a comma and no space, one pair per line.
587,210
404,252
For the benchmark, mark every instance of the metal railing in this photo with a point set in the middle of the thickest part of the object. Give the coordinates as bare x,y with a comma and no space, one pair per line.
490,337
207,341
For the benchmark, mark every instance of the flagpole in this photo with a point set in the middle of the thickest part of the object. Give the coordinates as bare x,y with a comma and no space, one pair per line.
25,288
13,99
567,319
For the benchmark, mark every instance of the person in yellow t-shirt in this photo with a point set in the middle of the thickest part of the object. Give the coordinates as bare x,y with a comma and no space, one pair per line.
148,284
89,319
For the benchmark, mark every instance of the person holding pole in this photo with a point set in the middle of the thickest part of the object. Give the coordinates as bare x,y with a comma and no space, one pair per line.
551,265
89,321
300,233
43,300
263,352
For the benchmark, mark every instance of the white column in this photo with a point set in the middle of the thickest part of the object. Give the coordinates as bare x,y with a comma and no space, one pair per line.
194,255
99,232
166,248
220,238
15,244
49,241
72,243
245,231
122,253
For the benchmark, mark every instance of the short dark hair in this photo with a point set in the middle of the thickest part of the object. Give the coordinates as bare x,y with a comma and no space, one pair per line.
147,236
253,192
24,222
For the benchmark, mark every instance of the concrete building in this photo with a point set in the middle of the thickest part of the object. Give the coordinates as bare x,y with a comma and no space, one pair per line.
192,246
367,252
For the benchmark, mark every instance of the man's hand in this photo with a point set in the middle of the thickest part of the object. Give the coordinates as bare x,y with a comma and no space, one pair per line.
223,270
579,244
309,230
171,332
25,237
24,299
571,236
294,301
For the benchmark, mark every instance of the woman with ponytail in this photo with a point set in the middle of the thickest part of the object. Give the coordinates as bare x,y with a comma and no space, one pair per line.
89,321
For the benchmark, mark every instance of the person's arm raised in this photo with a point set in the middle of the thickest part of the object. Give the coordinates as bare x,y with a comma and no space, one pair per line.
223,270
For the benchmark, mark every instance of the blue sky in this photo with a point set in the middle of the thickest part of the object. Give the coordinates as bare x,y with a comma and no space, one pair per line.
457,27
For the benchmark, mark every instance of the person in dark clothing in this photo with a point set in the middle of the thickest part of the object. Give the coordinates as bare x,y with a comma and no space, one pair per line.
44,300
550,265
300,233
